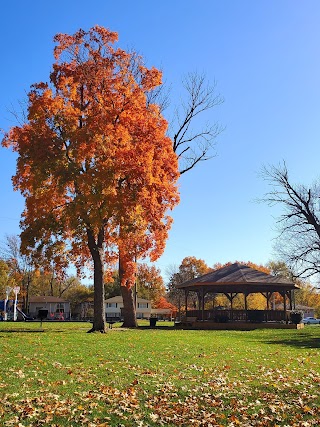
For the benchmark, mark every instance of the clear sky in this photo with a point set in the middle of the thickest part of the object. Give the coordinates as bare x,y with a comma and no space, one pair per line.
264,56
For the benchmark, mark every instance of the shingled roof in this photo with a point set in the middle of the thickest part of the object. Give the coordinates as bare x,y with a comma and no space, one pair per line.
238,278
46,299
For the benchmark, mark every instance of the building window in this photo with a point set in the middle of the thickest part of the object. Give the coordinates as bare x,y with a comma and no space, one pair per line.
143,304
112,304
110,315
60,307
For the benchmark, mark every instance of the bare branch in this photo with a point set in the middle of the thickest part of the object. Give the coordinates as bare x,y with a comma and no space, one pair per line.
200,98
160,96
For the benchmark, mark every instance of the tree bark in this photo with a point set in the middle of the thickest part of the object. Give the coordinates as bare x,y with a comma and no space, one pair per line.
127,292
26,296
96,250
129,309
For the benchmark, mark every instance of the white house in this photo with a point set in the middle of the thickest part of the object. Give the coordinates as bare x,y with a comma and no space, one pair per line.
115,304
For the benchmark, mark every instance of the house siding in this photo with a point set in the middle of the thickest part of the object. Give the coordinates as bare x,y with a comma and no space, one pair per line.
115,304
57,310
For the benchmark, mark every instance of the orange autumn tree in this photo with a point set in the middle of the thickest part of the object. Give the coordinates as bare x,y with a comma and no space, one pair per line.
163,303
150,284
95,166
190,268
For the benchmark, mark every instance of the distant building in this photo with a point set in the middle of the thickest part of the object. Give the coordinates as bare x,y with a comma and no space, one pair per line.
307,311
114,307
58,308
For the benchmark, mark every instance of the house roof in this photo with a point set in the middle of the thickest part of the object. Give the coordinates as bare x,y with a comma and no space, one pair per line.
119,299
46,299
304,307
238,278
161,311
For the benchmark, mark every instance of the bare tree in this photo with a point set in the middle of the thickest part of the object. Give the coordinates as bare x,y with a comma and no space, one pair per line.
298,242
191,143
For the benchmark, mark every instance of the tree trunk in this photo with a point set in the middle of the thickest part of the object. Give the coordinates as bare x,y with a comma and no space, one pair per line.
51,284
26,298
129,309
127,292
96,250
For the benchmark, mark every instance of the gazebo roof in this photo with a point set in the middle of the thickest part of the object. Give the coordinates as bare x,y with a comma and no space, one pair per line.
238,278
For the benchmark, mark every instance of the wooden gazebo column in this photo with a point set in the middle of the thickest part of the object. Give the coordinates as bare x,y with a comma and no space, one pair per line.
268,296
293,299
285,305
246,304
200,295
202,303
289,293
186,293
231,297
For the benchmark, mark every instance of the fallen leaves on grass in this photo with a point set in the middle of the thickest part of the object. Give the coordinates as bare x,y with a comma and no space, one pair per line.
97,388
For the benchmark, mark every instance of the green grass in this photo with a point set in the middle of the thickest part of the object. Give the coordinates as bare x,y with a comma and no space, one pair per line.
153,377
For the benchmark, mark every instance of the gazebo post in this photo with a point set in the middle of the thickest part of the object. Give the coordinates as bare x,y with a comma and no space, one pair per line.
186,292
293,298
200,296
290,299
246,305
232,296
285,305
202,303
231,306
198,307
268,300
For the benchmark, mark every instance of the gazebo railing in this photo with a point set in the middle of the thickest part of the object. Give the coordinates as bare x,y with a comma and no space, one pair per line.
240,315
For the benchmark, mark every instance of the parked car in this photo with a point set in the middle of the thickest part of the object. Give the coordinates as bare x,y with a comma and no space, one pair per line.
311,321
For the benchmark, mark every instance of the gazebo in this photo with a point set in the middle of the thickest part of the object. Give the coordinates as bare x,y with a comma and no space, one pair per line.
239,279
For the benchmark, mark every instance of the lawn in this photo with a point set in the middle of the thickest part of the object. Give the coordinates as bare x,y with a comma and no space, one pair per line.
152,377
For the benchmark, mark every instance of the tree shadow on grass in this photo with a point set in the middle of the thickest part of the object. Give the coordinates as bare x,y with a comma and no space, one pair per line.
300,341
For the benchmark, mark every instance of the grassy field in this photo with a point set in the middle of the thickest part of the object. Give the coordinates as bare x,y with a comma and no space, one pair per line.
153,377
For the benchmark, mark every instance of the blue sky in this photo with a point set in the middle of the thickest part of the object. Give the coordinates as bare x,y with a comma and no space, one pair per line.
264,56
